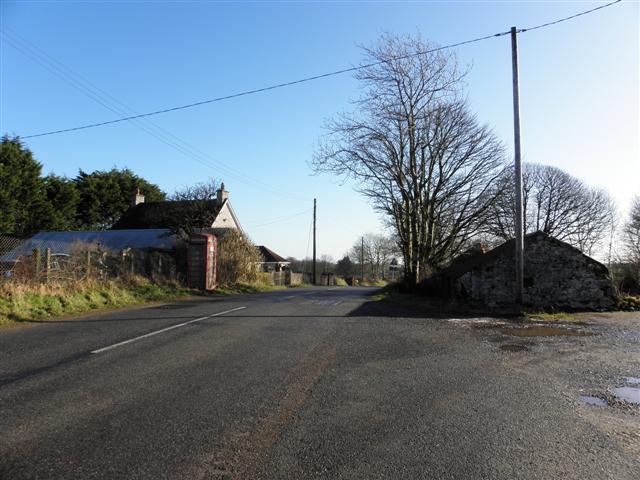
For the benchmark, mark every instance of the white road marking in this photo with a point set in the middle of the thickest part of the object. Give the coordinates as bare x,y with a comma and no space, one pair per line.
119,344
327,302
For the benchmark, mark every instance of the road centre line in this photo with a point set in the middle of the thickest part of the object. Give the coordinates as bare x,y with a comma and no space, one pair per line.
150,334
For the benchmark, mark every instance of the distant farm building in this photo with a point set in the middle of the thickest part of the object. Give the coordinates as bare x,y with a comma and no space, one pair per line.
271,261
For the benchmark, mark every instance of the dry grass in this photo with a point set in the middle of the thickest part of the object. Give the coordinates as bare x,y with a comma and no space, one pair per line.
629,303
369,282
242,288
545,317
24,301
237,259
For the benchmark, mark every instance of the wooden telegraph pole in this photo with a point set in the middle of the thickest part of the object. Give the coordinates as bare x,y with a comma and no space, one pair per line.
518,170
313,282
362,261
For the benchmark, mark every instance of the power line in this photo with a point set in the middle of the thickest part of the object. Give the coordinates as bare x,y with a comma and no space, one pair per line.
314,77
111,103
522,30
260,90
281,219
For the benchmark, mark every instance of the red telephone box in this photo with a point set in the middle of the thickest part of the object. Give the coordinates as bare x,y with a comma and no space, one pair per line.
202,258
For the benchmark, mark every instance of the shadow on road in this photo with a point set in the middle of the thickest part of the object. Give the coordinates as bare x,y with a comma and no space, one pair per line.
424,308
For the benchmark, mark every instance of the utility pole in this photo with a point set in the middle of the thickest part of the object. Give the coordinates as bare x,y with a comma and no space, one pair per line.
362,261
518,170
313,282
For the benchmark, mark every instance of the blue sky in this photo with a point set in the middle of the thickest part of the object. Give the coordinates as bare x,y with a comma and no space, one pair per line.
579,94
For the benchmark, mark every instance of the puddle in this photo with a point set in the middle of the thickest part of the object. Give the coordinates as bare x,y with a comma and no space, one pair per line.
595,401
628,394
543,332
511,347
632,380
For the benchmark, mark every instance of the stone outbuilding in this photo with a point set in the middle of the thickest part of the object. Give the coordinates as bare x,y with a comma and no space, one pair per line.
556,276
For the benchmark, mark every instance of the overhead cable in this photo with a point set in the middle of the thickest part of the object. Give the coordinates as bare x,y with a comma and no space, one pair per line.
312,78
111,103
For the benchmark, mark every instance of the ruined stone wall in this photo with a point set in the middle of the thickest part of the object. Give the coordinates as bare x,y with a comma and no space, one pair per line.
556,276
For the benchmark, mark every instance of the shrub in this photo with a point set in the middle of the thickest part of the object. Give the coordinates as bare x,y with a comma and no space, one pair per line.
629,303
237,259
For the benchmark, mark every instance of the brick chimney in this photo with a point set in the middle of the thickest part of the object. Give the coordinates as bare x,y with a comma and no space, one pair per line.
222,194
137,198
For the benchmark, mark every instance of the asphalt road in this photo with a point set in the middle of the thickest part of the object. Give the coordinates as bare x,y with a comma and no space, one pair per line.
317,383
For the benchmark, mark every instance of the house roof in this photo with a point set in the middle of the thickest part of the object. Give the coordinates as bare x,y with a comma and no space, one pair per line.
114,240
269,256
461,266
168,214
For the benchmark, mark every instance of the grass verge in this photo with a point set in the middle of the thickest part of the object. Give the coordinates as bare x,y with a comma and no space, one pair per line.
26,302
545,317
22,303
373,283
241,288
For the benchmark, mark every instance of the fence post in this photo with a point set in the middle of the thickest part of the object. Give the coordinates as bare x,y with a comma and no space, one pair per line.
88,262
47,264
36,263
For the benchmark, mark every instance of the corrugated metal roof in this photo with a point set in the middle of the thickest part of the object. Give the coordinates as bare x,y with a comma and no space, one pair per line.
114,240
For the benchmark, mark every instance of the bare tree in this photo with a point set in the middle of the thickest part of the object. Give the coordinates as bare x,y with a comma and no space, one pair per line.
415,150
555,203
197,207
381,248
326,264
377,254
360,254
631,237
202,191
